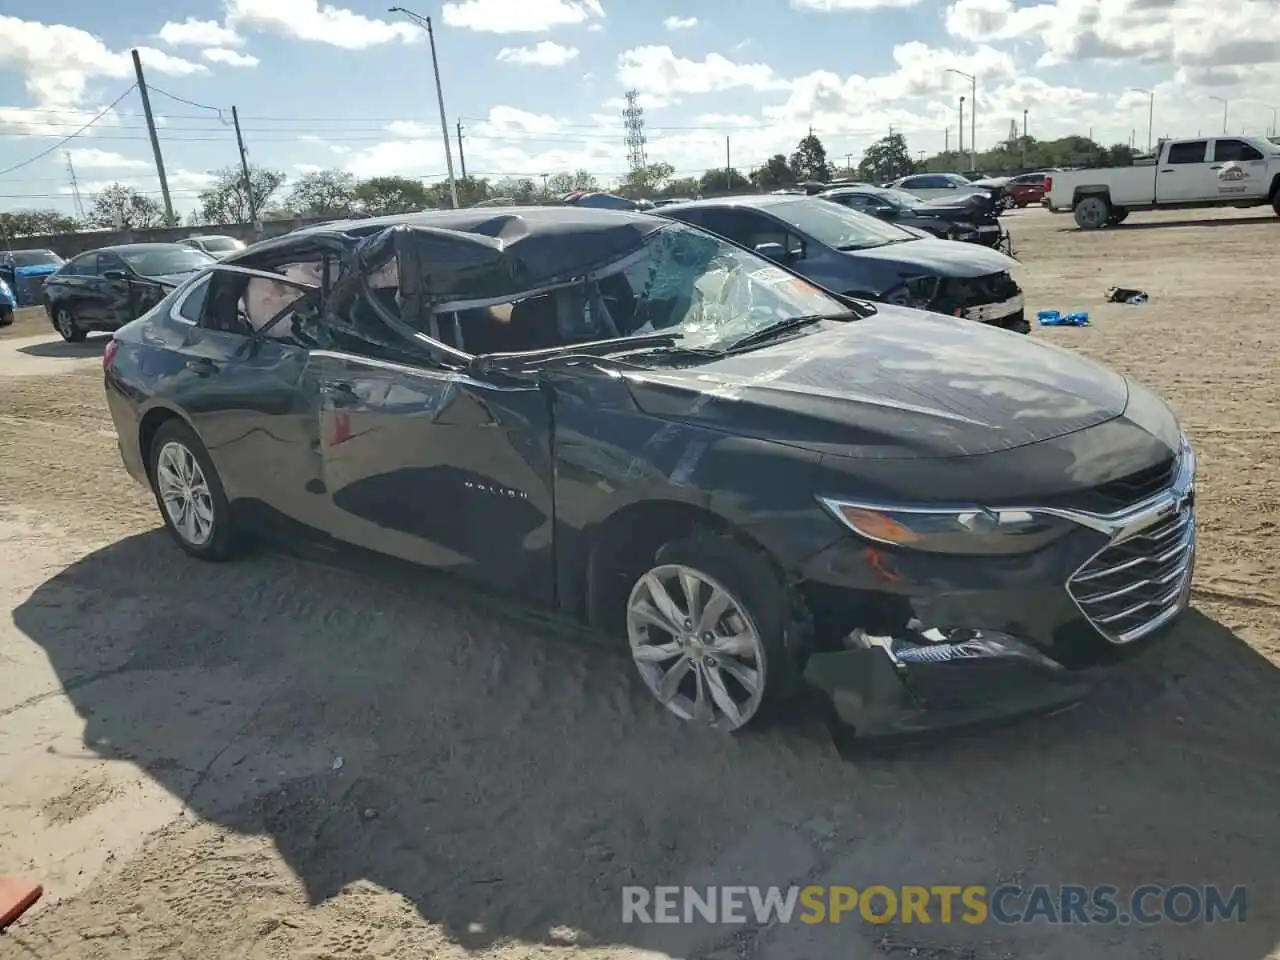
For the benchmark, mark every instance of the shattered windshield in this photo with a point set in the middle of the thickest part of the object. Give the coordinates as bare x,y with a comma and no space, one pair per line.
710,292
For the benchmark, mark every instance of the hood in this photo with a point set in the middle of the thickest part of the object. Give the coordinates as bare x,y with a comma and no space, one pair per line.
901,384
939,258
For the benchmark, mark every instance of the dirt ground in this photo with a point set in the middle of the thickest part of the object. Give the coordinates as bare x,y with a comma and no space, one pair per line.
280,759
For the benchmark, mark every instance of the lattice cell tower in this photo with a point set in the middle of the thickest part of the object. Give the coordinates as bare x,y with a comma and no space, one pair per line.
633,121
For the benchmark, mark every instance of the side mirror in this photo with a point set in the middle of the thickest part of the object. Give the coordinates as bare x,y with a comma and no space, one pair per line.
772,251
115,275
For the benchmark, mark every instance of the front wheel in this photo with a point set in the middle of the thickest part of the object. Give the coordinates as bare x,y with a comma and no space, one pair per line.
1092,213
707,625
65,323
190,494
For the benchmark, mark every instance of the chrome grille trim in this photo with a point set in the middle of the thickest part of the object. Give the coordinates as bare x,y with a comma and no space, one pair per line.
1141,579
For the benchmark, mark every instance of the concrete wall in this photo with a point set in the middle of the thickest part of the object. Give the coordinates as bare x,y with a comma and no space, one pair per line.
70,244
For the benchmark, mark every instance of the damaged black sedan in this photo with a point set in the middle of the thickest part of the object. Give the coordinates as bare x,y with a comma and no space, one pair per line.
759,486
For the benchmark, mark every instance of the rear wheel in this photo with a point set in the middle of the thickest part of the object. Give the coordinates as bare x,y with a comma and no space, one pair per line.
6,316
1092,212
707,624
189,493
65,323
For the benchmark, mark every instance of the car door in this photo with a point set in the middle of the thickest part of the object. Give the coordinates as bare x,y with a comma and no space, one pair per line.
1183,175
1238,170
74,286
438,466
115,297
252,399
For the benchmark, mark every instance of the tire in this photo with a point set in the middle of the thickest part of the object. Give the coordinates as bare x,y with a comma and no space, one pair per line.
174,449
1118,215
1275,204
64,322
6,317
1091,213
738,678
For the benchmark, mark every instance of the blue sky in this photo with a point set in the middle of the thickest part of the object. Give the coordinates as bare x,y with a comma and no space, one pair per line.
535,82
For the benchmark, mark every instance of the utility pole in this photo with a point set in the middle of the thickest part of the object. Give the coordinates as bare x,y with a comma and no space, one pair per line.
1224,112
728,167
960,149
75,189
946,140
973,115
155,139
425,23
244,170
848,165
462,158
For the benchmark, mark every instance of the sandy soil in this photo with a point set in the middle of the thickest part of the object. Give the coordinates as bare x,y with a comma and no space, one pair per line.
278,759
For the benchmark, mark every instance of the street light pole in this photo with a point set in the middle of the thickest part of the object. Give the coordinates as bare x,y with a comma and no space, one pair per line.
973,115
1224,112
1151,112
425,23
961,126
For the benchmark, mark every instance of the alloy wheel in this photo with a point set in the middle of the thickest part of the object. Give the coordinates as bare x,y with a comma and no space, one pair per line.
65,324
184,491
696,647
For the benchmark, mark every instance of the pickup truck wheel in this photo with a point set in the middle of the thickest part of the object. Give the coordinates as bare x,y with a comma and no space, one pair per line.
1091,213
65,323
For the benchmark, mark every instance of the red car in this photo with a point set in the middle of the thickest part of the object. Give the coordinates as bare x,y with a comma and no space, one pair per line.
1026,189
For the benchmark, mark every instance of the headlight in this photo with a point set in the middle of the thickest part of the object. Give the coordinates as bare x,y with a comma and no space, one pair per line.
953,530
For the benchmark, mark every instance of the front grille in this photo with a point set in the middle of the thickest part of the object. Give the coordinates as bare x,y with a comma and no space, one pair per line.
1123,492
956,293
1140,581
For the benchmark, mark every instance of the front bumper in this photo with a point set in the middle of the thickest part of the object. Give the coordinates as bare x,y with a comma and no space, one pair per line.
989,638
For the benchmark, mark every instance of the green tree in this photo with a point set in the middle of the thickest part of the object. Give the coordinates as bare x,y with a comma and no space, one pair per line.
35,223
681,187
471,190
647,179
723,181
379,196
809,162
774,175
886,159
227,201
324,193
122,207
561,183
522,190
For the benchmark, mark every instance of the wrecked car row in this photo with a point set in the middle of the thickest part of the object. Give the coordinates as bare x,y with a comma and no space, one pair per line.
759,485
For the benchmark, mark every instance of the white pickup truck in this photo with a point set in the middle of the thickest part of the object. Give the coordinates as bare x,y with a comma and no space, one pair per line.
1205,172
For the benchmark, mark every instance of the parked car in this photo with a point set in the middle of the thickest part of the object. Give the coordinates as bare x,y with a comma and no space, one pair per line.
938,186
8,304
105,289
1026,189
215,245
756,485
969,218
856,255
1187,174
25,272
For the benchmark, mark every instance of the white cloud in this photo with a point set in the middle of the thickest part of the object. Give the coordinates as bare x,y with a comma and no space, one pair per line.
544,54
839,6
230,57
305,168
657,70
309,20
198,33
518,16
503,120
680,23
57,61
595,28
93,159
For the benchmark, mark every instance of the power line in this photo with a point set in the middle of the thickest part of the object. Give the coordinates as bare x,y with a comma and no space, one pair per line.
45,153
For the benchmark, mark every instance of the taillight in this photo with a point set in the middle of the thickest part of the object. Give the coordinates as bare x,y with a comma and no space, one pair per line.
109,354
1048,184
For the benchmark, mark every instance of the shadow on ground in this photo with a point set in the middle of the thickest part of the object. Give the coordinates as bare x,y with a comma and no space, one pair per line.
1190,222
90,347
509,784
